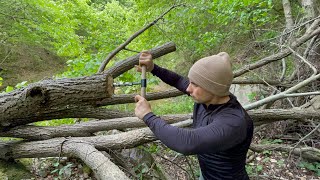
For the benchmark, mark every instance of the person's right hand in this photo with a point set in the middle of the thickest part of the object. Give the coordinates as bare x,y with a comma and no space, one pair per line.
145,59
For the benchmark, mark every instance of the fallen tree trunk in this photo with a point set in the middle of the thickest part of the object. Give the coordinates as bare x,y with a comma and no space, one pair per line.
82,129
55,147
272,115
88,128
32,103
62,98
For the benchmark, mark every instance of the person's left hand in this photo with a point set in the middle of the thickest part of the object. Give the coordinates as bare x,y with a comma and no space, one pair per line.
142,106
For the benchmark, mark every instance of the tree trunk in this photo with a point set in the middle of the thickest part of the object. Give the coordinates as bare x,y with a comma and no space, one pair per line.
287,13
82,129
55,147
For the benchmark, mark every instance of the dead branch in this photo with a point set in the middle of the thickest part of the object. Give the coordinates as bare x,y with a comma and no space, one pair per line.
51,147
129,98
100,164
305,152
88,128
129,63
123,45
272,115
310,33
82,129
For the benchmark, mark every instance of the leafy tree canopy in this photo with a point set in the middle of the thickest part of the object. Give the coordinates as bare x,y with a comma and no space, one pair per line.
85,31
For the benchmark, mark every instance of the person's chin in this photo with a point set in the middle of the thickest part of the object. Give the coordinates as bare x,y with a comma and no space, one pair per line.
195,100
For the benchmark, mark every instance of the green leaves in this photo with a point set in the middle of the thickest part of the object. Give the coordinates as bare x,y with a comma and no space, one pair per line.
85,31
312,166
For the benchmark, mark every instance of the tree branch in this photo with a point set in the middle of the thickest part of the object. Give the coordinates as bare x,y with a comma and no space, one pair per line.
123,45
305,152
51,147
99,163
311,32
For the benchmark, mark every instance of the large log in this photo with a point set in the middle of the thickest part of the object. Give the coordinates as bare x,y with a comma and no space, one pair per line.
52,96
88,128
55,147
82,129
64,98
272,115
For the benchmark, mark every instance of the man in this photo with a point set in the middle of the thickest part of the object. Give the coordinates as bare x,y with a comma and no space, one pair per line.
222,129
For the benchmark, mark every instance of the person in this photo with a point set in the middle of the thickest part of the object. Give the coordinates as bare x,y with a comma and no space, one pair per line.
222,130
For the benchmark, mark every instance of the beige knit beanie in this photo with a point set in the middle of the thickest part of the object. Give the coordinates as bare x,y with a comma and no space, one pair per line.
213,73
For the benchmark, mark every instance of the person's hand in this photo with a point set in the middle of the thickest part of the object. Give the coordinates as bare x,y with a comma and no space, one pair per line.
142,106
145,59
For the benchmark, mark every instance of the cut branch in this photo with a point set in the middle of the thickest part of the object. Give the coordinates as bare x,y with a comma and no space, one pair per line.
129,63
122,46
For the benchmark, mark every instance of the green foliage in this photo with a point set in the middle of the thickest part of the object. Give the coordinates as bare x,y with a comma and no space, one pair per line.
253,169
312,166
151,148
56,122
271,141
178,105
17,86
85,31
62,171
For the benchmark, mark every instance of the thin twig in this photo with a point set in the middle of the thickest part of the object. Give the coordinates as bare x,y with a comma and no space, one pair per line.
302,139
293,29
304,60
302,94
174,164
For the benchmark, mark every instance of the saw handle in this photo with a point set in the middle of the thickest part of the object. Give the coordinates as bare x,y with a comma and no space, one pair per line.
143,81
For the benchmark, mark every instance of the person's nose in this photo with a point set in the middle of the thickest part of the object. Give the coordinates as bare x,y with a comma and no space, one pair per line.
189,89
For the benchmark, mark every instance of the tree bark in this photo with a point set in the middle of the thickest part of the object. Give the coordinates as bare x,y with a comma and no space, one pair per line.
272,115
63,98
54,147
287,13
32,103
99,163
129,63
88,128
82,129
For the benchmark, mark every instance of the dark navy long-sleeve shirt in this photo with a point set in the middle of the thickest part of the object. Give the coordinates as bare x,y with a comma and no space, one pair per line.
221,134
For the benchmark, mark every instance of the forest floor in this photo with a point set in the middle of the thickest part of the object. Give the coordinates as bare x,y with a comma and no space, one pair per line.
265,165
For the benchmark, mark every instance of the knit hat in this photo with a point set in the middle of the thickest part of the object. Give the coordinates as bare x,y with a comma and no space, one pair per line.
213,73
